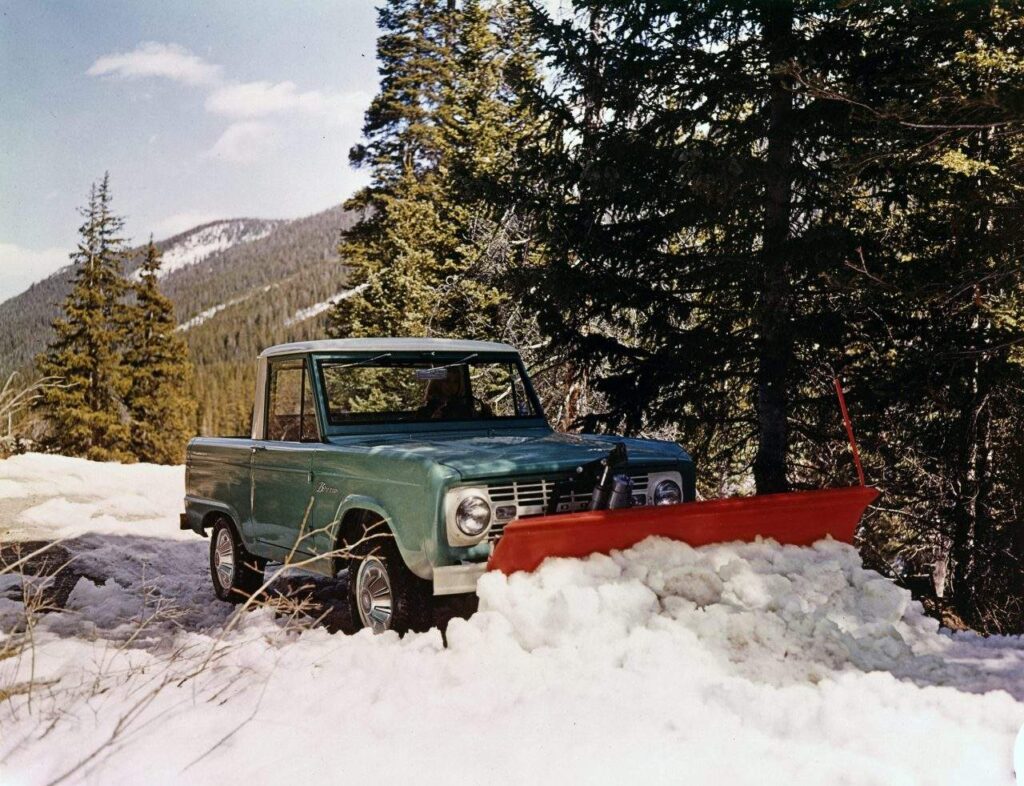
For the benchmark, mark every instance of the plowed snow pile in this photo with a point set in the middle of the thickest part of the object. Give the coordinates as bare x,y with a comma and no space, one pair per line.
735,664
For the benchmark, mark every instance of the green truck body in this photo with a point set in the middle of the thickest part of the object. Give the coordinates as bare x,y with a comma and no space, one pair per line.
303,480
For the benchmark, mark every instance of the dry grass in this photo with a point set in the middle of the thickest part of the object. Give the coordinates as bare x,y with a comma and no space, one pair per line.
23,695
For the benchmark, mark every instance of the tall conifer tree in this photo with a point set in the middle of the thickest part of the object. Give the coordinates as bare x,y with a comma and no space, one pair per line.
938,308
438,137
392,251
690,199
85,411
159,400
738,199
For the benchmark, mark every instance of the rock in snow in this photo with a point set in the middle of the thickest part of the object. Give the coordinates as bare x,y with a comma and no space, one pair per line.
739,663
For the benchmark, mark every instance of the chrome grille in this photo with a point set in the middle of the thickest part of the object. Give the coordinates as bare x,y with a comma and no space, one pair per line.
530,498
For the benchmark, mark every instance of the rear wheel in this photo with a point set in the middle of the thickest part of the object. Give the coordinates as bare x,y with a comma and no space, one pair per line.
383,593
236,573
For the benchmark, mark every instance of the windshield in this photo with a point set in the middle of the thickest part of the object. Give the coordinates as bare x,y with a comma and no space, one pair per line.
383,390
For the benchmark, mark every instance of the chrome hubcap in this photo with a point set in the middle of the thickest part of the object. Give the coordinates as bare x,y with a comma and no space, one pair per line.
224,559
373,595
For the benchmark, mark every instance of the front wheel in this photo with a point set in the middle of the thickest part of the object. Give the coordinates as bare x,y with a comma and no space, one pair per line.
236,574
383,593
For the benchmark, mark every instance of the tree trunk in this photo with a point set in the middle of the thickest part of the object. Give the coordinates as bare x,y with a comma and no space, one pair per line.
973,539
775,350
972,521
974,545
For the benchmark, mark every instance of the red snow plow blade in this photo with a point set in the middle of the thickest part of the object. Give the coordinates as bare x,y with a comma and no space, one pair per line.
799,518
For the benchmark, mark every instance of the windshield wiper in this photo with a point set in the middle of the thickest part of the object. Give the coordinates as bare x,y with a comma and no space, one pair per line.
364,362
455,362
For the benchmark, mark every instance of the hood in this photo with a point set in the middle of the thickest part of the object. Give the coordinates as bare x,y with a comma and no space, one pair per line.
485,455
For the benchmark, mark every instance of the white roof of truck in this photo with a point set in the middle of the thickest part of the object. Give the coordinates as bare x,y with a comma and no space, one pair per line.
386,345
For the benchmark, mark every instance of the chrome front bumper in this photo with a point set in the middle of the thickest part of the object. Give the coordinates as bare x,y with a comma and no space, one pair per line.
458,579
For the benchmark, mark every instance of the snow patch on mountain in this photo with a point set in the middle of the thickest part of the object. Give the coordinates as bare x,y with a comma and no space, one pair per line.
203,316
318,308
201,243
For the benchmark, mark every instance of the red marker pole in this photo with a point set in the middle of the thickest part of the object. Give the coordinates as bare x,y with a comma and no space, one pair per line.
849,430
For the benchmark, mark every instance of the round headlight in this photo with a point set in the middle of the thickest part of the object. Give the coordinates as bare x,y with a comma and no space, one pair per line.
473,515
667,493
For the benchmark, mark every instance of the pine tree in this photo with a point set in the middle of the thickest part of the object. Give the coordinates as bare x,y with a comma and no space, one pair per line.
438,137
391,252
86,414
486,120
160,399
736,199
939,305
690,202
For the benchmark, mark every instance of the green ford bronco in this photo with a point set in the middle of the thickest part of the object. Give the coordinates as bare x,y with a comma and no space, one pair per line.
401,461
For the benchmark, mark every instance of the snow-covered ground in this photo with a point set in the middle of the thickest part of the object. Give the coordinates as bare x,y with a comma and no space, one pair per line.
734,664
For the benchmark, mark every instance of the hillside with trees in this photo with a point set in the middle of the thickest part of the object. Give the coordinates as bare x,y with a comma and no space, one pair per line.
703,212
271,284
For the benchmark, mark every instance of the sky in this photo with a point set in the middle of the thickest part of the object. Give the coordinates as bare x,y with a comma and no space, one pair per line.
198,110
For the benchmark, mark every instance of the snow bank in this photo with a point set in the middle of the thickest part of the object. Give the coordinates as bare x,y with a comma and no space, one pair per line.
739,663
59,497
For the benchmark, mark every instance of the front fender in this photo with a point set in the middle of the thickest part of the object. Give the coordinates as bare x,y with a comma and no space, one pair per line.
415,559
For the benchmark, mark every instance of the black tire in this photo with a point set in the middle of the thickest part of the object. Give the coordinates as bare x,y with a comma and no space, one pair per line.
374,561
239,581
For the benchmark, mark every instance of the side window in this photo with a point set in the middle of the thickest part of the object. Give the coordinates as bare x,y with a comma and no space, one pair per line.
291,416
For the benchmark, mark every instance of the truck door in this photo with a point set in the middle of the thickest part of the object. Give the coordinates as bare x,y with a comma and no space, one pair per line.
281,465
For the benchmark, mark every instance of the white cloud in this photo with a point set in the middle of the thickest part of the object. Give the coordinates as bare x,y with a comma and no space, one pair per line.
250,105
243,143
259,99
20,267
179,222
154,59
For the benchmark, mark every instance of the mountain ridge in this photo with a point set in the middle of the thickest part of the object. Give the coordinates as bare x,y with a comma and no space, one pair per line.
237,286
